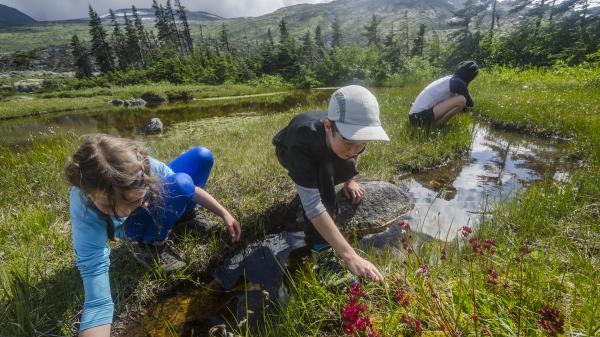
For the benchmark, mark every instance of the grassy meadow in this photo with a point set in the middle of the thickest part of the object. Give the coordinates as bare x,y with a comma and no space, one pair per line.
98,98
544,255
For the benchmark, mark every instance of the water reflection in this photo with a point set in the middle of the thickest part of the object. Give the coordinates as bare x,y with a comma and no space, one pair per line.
127,122
500,163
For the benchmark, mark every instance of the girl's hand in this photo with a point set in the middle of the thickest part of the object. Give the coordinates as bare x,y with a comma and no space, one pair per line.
233,227
354,191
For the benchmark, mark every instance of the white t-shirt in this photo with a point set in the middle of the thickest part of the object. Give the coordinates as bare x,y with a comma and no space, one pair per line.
436,92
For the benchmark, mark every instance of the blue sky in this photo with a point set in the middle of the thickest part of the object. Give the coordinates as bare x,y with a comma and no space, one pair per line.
72,9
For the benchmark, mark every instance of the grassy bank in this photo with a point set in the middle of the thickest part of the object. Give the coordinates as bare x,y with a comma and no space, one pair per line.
530,270
40,289
98,97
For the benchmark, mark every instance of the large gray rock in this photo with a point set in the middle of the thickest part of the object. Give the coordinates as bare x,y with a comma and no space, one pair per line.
383,204
154,126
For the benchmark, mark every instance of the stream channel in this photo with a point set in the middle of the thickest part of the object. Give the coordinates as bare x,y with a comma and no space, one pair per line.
499,164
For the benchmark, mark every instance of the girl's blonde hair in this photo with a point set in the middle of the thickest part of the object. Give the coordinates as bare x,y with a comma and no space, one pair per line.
112,166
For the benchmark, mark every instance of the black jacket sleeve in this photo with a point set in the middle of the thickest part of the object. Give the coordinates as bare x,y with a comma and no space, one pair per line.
459,87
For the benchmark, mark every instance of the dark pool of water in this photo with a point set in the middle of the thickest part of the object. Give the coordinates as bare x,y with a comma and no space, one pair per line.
127,122
499,164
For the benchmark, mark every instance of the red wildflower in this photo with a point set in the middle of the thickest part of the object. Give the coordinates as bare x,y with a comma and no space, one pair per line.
404,225
476,245
422,269
467,230
552,321
402,298
488,245
418,327
444,254
405,319
525,249
474,317
492,277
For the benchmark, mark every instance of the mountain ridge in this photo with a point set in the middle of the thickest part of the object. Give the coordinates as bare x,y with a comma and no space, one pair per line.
13,16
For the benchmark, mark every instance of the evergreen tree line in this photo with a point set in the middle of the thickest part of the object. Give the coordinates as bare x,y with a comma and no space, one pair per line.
548,31
552,31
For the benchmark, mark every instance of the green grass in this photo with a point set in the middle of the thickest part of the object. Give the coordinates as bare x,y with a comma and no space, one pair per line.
40,290
26,104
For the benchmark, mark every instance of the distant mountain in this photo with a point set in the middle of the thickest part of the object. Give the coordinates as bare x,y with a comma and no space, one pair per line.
10,16
147,15
353,15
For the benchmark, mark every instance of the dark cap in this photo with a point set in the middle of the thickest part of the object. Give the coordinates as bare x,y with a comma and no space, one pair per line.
467,71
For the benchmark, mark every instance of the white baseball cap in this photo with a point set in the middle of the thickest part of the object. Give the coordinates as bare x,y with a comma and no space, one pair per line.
355,111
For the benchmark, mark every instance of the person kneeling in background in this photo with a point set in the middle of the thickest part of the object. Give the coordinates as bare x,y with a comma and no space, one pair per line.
444,97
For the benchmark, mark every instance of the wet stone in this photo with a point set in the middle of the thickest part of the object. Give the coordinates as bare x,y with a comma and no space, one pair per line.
117,102
154,126
134,102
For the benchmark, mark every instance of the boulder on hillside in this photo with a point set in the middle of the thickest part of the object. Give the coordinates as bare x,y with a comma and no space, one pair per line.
152,98
155,126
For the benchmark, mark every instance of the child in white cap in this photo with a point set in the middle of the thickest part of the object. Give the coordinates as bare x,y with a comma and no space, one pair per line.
320,150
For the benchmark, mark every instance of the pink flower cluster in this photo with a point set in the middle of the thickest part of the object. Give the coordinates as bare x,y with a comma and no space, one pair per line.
492,277
402,297
467,230
552,321
415,324
356,322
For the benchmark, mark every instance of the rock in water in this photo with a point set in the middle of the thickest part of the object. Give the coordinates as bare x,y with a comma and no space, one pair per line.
117,102
154,126
152,98
134,102
383,204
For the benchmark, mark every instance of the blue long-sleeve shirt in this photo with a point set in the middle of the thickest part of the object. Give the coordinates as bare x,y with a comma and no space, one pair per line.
92,252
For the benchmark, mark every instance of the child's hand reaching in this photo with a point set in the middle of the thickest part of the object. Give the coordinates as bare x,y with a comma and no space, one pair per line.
233,227
354,191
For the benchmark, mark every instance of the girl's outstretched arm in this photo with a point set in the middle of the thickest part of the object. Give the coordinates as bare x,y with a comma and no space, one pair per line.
204,199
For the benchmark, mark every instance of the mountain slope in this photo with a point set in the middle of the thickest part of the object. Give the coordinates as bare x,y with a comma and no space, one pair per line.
11,16
353,15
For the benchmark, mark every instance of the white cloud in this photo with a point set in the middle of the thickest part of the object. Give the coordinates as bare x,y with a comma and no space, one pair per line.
72,9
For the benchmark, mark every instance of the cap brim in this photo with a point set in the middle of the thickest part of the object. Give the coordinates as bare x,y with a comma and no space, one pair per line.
362,133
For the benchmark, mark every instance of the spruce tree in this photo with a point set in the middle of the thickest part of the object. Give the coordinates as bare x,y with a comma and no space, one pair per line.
132,43
224,39
174,35
118,42
372,31
144,43
336,34
188,42
81,58
319,43
307,48
419,41
101,49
